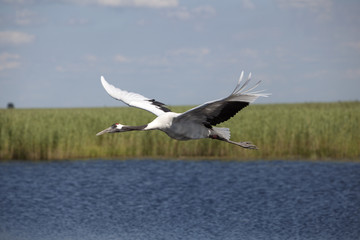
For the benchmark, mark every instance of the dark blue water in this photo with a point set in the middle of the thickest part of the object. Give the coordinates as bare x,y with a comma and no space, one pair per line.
147,199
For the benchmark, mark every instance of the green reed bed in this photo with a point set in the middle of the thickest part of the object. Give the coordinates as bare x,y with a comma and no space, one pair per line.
281,131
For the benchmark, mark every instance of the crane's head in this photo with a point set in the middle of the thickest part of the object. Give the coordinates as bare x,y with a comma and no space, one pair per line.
116,127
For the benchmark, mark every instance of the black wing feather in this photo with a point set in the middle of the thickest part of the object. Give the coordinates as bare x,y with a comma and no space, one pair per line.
229,109
160,105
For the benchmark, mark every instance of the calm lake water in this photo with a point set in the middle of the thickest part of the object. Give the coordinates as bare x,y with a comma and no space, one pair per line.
159,199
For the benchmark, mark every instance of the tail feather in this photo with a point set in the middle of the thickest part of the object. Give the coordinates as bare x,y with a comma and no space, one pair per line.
223,132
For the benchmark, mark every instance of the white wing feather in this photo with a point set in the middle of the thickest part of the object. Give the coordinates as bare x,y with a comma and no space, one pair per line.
240,94
134,99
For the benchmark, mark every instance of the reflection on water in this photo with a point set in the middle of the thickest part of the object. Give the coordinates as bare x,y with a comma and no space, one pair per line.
150,199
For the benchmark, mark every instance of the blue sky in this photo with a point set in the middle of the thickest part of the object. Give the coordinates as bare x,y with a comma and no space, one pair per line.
52,53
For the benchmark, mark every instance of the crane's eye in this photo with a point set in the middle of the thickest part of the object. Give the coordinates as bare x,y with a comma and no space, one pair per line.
114,125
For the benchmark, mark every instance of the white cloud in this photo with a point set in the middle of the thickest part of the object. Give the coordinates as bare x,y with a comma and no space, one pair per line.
310,4
24,17
249,52
15,38
141,22
9,61
78,21
109,3
353,74
154,60
183,13
207,11
180,13
60,68
130,3
18,15
194,52
90,58
315,75
182,54
16,1
248,4
321,7
122,59
354,45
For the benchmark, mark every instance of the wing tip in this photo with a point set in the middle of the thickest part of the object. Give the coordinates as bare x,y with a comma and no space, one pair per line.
102,79
105,84
241,76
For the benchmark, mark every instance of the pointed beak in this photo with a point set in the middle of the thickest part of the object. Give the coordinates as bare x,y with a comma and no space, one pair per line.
107,130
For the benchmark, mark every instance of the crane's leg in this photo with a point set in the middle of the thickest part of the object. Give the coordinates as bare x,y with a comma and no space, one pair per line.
247,145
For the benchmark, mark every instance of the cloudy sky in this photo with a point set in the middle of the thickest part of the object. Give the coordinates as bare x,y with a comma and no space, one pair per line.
52,53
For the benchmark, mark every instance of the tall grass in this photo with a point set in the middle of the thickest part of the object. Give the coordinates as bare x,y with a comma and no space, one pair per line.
281,131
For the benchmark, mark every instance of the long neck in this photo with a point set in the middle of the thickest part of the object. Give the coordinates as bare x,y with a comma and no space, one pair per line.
133,128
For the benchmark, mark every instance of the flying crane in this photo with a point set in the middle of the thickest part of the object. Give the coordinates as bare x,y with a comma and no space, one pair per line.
196,123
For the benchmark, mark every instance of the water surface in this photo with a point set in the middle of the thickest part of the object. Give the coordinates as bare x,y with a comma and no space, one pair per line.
159,199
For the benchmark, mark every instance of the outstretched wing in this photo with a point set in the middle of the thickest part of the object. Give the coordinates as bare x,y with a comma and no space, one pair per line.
134,99
221,110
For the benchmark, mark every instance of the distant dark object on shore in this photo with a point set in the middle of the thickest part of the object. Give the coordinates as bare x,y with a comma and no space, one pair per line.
10,105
